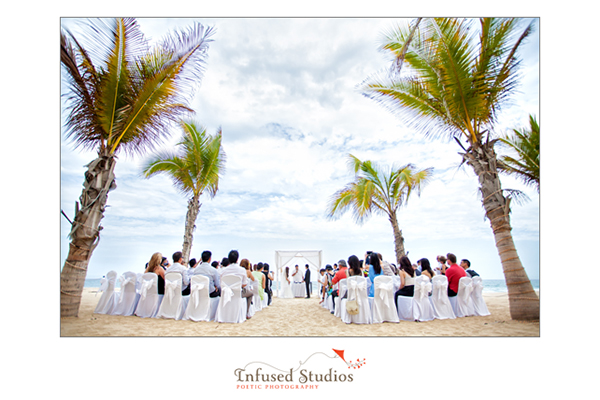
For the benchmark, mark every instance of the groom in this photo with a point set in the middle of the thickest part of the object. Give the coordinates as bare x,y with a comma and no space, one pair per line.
307,281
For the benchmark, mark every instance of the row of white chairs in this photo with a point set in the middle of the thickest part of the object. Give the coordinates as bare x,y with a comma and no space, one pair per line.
422,306
139,296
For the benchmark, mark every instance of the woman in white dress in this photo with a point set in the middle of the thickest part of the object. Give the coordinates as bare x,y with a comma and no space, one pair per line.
286,287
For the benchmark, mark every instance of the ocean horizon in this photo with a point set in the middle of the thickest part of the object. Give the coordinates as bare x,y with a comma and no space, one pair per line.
489,285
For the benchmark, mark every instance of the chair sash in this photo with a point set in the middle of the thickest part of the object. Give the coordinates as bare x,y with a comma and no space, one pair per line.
124,282
146,285
353,286
441,288
227,291
425,288
196,288
170,288
103,285
385,291
466,292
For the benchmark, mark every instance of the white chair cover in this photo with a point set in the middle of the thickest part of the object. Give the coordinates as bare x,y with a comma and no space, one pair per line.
201,307
479,306
422,310
357,290
172,306
442,309
149,299
108,300
342,288
464,303
384,309
128,297
232,307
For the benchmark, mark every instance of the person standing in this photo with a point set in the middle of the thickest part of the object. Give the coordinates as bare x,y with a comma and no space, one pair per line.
307,281
268,282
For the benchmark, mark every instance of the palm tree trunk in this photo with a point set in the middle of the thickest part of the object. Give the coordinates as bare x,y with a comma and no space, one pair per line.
523,301
190,225
85,231
398,238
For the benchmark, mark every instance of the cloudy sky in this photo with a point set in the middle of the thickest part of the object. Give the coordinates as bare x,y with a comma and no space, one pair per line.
284,91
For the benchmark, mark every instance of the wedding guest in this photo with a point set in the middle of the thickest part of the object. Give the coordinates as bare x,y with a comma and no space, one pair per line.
426,268
386,268
207,270
441,268
339,275
453,273
178,266
155,266
261,279
192,264
375,270
268,283
241,270
407,279
245,263
466,265
322,284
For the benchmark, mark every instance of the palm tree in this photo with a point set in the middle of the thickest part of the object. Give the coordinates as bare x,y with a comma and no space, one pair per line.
458,79
122,96
526,144
377,190
197,167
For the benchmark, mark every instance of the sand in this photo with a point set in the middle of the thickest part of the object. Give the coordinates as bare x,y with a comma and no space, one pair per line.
295,318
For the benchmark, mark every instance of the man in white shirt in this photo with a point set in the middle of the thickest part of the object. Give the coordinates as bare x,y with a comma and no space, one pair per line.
178,266
205,269
234,269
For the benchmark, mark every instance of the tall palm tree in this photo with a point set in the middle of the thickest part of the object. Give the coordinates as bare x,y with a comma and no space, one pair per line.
122,97
195,167
378,190
526,163
458,78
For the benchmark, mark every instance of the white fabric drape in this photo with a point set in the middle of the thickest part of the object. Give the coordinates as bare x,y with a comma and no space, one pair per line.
479,306
232,307
442,309
464,303
108,300
172,303
422,310
357,290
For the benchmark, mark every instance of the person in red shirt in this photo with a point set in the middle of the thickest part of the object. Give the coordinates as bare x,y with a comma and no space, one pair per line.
341,274
453,273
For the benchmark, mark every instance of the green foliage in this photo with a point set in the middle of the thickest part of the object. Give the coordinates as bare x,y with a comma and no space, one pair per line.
458,77
525,165
376,189
195,166
123,95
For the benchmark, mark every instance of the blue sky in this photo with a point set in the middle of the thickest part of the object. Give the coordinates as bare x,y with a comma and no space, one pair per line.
284,92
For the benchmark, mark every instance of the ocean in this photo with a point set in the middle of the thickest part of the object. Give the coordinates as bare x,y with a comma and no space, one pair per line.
489,285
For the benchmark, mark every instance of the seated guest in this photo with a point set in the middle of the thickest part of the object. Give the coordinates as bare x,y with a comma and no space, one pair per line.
243,272
426,268
453,273
375,270
466,265
155,267
165,263
387,268
407,279
339,275
191,266
178,266
261,279
205,269
441,267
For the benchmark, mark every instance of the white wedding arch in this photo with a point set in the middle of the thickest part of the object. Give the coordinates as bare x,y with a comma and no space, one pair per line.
290,258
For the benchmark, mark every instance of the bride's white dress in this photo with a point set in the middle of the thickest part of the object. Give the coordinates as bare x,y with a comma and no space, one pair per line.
286,289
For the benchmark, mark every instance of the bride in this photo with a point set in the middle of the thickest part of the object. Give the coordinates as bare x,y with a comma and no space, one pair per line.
286,288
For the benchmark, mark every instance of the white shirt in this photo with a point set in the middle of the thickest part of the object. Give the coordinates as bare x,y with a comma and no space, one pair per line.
211,273
176,267
297,275
234,269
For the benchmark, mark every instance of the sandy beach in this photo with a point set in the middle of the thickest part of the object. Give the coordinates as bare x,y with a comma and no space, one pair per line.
295,318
